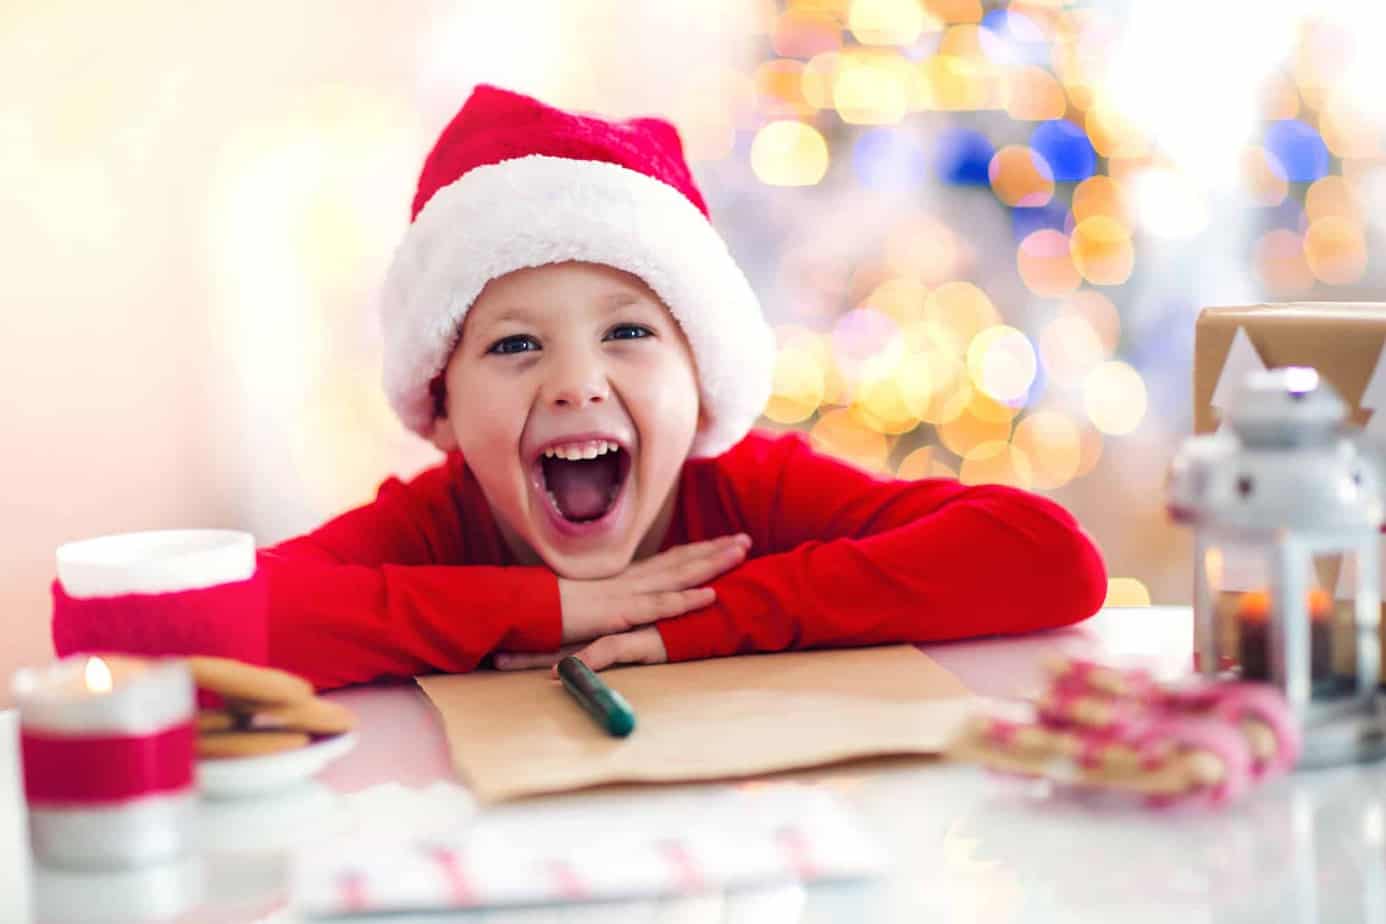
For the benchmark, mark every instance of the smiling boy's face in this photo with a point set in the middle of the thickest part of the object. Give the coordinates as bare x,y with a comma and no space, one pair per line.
573,396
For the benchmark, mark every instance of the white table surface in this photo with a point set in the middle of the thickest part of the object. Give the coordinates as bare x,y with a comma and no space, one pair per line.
964,846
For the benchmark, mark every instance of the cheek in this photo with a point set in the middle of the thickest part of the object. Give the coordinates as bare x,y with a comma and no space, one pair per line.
490,416
668,393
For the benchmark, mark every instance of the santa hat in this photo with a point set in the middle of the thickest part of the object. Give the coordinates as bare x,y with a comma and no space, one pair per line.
513,183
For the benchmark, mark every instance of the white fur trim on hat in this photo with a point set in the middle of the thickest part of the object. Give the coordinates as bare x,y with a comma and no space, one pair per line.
535,210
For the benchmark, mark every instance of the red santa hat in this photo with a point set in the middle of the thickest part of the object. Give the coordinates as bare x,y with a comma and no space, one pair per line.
513,183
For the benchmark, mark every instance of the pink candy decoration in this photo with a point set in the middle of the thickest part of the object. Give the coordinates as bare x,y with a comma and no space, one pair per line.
1161,723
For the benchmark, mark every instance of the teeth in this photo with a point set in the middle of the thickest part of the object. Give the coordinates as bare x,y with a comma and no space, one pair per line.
579,451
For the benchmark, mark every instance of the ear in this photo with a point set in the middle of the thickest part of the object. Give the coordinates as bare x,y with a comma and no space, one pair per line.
703,420
442,435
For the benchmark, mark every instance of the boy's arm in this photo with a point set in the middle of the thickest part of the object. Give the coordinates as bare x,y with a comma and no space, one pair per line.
360,598
863,561
342,623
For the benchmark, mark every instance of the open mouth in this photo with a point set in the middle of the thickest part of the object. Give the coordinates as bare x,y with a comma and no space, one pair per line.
584,480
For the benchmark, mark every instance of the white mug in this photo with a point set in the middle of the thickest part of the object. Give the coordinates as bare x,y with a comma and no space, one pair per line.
155,561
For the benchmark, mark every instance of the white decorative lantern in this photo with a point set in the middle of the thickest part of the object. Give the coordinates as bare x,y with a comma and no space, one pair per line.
1286,505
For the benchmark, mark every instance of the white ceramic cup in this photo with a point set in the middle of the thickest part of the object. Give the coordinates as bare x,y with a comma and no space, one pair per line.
155,561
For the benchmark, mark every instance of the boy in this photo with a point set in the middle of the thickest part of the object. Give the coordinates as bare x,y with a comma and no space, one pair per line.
563,321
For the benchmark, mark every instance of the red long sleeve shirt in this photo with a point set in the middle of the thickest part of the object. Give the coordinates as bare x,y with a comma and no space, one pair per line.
420,580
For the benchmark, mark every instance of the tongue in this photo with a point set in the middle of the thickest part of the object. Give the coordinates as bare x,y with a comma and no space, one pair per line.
582,489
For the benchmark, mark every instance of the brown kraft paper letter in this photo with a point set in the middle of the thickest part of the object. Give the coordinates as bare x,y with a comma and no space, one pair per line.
521,734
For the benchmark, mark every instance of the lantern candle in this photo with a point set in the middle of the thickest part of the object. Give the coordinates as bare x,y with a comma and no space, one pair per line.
1290,482
1253,633
106,748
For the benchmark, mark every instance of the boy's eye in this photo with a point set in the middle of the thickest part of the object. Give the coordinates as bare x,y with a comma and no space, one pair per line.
629,332
516,343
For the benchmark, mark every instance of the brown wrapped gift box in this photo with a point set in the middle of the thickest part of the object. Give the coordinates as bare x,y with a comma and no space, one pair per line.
1341,341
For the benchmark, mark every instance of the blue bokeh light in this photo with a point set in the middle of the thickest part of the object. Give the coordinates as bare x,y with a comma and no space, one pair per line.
1066,148
889,159
1302,155
1012,38
962,157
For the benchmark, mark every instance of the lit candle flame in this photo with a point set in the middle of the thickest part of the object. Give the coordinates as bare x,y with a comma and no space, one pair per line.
98,676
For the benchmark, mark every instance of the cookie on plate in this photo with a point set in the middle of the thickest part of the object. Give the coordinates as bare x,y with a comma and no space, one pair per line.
241,683
315,716
248,743
218,720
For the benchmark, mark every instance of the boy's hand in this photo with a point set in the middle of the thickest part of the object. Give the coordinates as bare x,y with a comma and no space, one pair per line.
638,646
608,609
669,584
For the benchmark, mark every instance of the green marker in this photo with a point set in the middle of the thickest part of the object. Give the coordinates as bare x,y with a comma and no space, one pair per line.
605,705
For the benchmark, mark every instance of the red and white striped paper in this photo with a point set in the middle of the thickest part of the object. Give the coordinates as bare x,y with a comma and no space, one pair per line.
596,848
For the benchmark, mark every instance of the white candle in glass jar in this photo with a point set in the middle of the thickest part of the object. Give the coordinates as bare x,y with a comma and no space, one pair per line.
106,749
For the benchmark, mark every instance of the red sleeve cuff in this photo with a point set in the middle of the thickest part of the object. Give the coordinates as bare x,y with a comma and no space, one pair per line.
749,615
228,620
536,592
695,636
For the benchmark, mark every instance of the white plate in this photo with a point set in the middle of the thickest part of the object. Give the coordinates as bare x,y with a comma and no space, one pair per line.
233,777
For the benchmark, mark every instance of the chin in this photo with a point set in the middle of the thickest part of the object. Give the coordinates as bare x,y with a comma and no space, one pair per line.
593,567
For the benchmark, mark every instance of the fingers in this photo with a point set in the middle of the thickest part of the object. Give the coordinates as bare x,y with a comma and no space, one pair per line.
704,568
523,661
653,607
641,646
666,585
692,564
529,660
681,553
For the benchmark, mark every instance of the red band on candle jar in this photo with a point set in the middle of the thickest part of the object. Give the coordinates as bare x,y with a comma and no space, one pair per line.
105,768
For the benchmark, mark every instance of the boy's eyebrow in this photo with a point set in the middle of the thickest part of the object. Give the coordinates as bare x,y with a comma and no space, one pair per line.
618,300
511,314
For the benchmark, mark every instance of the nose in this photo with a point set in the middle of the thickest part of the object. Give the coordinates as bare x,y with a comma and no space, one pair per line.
577,378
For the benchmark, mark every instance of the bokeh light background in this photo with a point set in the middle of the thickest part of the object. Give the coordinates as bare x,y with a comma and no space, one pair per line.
982,230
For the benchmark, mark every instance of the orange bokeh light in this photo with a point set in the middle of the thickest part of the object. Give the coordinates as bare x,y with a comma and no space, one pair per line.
967,431
1053,444
1263,176
1112,134
1348,133
1020,176
1098,196
798,387
1281,264
1070,349
925,463
1100,313
954,11
1046,265
1279,99
1102,251
961,309
1089,451
1031,94
779,89
952,83
900,298
840,434
1336,250
1331,197
805,33
996,462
